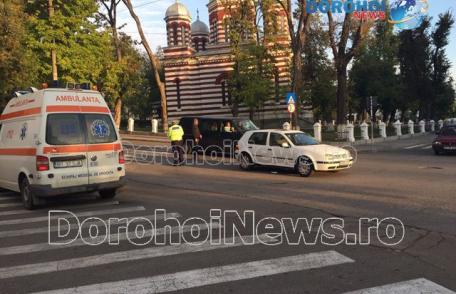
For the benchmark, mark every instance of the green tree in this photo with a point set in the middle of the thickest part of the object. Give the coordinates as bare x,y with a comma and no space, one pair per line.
415,68
374,72
443,93
250,83
318,73
17,69
72,32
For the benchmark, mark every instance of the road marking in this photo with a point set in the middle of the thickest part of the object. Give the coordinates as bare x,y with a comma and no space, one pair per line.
7,205
413,286
415,146
130,255
16,199
80,214
427,148
52,229
100,239
214,275
67,207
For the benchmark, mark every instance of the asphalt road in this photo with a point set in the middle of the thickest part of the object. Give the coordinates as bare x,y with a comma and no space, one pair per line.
401,180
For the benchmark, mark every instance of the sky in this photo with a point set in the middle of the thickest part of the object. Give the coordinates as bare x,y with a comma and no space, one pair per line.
152,13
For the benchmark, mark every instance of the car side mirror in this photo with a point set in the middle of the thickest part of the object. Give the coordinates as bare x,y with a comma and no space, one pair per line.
285,145
251,142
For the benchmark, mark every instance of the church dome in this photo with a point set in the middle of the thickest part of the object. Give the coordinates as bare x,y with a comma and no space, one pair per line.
199,28
178,10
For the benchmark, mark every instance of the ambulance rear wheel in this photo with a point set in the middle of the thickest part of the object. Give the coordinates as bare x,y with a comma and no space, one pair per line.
28,198
108,194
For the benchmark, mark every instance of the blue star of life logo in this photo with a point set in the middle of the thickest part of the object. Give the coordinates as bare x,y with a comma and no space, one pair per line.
23,132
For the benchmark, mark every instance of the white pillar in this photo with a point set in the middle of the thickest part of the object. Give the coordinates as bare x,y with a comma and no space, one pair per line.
317,131
398,127
350,132
411,127
154,125
382,127
364,131
422,127
432,122
131,125
440,122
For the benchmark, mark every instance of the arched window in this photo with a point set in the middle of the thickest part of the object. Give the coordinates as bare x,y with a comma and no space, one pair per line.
179,104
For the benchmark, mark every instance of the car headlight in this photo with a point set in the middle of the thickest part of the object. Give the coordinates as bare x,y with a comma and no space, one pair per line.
329,157
438,143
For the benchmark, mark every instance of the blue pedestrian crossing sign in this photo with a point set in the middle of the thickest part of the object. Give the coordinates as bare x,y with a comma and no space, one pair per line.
291,98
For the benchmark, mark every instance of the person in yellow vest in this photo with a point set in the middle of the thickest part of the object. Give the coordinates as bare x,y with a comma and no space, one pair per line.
176,135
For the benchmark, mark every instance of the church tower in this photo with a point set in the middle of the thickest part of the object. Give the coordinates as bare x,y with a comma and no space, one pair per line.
178,25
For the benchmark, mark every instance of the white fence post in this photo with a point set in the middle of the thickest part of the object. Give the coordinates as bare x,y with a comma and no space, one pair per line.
411,127
440,124
317,131
350,132
154,125
364,131
398,127
422,127
382,127
131,125
432,122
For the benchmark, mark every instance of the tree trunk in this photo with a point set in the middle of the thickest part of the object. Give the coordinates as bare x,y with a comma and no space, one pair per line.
341,94
154,62
118,112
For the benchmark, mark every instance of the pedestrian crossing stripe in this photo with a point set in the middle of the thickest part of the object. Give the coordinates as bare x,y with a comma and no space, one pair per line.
80,214
413,286
104,239
69,207
214,275
129,255
415,146
10,205
52,229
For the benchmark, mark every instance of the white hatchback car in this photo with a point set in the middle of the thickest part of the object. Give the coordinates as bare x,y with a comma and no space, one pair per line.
292,149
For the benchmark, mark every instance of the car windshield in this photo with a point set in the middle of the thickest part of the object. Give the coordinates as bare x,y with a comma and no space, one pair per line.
246,125
301,139
448,131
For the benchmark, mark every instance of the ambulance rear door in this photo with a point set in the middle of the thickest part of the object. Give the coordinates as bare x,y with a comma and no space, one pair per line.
103,148
67,151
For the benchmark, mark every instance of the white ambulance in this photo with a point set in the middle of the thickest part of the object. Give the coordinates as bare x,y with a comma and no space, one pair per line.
59,141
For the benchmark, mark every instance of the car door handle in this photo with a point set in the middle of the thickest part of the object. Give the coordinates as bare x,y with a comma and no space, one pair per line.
269,149
250,147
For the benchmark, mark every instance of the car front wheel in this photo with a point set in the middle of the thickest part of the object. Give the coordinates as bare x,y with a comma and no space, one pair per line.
304,166
28,199
245,161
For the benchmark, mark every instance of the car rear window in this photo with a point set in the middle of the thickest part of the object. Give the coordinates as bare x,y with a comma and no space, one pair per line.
448,131
64,129
75,129
100,128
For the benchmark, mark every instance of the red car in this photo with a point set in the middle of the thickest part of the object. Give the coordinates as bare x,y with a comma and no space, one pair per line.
445,141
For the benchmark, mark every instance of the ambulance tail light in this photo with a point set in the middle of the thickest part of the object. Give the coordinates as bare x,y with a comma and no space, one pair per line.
121,157
42,163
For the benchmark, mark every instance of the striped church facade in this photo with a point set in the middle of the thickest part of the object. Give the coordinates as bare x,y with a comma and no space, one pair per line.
197,65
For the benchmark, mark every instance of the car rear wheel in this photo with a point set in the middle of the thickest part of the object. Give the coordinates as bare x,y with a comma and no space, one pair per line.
245,161
304,166
108,194
27,196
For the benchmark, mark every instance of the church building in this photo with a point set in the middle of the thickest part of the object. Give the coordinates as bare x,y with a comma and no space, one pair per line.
198,62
